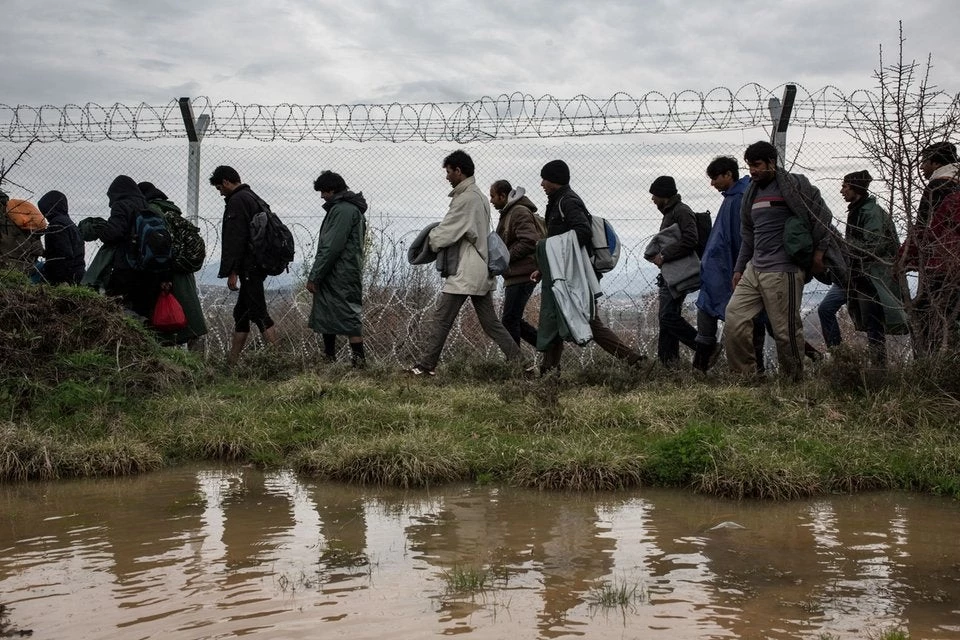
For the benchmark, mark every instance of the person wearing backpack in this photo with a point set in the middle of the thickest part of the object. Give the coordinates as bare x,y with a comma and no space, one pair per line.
336,278
63,246
463,229
521,230
674,328
767,276
183,283
137,288
567,212
236,260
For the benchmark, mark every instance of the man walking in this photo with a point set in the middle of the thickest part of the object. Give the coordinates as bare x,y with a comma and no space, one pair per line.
718,261
464,231
674,328
237,263
931,248
768,276
336,278
874,298
566,212
520,230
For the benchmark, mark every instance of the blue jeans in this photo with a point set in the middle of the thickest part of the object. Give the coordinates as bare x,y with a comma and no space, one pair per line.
836,297
515,298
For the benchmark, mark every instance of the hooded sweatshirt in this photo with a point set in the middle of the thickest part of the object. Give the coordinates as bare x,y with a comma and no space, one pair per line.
63,245
520,232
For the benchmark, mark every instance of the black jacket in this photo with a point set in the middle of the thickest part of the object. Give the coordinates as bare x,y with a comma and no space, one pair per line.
676,212
235,255
566,212
126,202
63,246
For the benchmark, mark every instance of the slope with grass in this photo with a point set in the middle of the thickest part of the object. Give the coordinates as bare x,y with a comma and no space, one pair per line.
112,402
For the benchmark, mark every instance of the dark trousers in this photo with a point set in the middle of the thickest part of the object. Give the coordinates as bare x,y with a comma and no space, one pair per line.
873,317
605,339
674,328
251,305
935,311
515,298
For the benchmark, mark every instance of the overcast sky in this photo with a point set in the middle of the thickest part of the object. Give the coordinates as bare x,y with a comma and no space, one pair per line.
362,51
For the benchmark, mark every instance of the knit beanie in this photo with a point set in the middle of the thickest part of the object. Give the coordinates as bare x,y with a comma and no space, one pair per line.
664,187
941,153
556,171
859,181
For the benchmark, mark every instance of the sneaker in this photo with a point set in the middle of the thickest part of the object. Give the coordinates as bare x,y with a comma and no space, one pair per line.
417,370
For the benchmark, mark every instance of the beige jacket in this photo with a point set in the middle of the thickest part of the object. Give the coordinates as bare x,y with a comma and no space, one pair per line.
466,224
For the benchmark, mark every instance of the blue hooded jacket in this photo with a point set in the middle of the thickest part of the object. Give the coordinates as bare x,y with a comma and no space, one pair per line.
720,254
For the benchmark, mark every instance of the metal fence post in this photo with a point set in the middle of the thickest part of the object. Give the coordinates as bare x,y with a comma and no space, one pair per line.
780,113
195,130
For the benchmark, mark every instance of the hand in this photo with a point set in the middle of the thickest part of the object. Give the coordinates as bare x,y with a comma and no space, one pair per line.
736,278
657,260
535,276
232,282
311,286
817,266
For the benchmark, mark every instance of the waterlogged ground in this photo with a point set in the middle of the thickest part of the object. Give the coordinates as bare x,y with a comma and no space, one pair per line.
227,553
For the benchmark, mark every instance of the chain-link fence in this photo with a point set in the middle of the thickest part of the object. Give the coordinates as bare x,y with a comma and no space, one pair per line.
406,189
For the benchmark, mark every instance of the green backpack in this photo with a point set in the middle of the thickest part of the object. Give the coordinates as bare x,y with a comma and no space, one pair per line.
189,250
798,242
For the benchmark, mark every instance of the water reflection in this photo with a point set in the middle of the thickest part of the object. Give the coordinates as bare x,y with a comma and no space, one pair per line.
227,553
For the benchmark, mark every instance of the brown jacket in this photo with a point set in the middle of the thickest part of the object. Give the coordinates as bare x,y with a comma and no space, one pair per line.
520,232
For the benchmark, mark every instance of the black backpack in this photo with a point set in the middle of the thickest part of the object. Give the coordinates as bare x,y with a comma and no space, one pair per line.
704,227
270,242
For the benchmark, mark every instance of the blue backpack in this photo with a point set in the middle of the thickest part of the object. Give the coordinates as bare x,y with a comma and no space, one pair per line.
151,249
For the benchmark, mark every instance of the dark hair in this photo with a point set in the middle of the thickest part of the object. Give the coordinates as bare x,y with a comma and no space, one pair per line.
721,165
761,150
224,173
329,181
502,187
459,160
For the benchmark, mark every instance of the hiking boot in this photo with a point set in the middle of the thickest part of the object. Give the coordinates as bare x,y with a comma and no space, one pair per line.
701,356
417,370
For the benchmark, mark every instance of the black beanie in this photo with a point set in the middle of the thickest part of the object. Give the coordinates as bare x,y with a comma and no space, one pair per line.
556,171
859,181
941,152
664,187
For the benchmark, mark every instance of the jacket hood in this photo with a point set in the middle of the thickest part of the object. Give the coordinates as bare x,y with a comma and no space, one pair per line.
123,187
518,196
150,192
738,187
356,199
53,203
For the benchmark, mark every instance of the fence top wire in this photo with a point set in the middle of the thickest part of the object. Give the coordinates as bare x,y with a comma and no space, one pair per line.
514,116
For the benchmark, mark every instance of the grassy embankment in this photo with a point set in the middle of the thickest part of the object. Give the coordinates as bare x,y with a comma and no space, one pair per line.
87,392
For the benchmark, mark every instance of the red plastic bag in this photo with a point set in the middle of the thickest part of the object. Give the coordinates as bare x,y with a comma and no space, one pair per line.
168,315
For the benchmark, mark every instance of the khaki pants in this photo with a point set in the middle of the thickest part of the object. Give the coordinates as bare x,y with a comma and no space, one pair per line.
447,310
779,294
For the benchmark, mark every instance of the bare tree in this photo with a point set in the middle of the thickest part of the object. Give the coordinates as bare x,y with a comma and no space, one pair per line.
908,114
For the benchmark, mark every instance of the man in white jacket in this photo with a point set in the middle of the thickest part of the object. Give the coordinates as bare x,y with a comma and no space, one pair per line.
464,229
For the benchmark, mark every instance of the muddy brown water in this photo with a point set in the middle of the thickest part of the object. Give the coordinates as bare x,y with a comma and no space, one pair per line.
226,553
